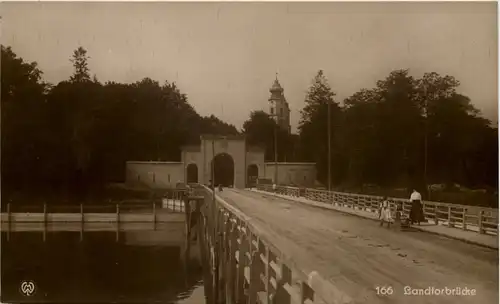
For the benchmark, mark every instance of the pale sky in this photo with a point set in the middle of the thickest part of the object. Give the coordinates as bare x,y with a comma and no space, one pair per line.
224,56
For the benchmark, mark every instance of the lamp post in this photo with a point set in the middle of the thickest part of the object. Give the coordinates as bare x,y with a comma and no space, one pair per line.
329,148
213,168
275,118
426,127
276,154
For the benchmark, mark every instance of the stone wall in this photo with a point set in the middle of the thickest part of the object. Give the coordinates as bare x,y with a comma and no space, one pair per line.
155,174
299,174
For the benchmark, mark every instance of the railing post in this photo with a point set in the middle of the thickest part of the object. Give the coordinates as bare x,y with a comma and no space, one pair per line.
81,214
187,214
216,267
44,221
205,251
45,213
117,222
255,281
282,296
240,279
226,246
8,221
232,262
306,293
264,250
117,213
82,219
436,217
450,219
154,216
464,218
480,221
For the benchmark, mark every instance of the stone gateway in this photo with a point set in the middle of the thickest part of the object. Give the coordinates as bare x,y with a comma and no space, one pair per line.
236,164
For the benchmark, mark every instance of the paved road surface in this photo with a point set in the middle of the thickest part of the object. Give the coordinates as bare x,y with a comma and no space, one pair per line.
357,255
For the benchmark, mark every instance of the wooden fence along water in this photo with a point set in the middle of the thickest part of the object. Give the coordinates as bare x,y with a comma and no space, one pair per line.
121,216
478,219
242,266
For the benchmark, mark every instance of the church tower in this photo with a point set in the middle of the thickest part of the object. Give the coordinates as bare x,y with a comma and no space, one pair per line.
279,109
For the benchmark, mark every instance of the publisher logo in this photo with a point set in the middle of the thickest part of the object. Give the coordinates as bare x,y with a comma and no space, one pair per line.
27,288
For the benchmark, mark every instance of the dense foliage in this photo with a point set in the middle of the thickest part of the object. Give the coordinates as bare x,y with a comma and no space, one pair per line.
382,135
261,130
80,132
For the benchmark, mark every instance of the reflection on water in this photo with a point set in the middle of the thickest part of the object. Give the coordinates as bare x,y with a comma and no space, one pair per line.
95,270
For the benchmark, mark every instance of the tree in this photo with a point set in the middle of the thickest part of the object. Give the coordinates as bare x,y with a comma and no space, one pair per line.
319,95
81,132
361,129
381,134
80,63
24,140
260,131
313,128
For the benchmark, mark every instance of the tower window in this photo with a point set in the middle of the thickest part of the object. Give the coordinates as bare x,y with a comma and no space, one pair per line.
272,111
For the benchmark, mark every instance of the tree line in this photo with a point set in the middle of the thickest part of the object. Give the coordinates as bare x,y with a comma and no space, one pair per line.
404,132
78,134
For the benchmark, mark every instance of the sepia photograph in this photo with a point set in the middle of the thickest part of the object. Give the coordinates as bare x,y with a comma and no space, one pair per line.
249,152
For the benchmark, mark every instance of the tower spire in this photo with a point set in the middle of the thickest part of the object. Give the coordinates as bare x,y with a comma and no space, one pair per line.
279,106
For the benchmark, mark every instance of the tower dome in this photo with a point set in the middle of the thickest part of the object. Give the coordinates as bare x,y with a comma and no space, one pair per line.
276,86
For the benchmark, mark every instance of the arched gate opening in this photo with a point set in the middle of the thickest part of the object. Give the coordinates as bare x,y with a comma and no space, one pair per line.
223,166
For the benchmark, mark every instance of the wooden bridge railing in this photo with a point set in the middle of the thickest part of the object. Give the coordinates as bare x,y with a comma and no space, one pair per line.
247,268
478,219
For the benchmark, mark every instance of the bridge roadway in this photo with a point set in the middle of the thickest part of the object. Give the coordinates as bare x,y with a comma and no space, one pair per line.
357,255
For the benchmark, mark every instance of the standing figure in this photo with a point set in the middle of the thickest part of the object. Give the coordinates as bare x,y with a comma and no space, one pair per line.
417,212
385,213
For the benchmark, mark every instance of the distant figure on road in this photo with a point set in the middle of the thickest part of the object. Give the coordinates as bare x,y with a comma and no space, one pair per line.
417,212
385,213
220,187
274,187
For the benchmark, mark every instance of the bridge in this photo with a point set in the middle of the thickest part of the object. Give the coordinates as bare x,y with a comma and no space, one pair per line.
289,247
308,246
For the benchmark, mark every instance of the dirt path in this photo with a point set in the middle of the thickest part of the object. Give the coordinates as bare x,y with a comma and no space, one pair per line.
358,256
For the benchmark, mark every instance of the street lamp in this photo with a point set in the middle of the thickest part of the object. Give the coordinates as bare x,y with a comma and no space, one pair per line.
426,127
329,148
213,167
275,146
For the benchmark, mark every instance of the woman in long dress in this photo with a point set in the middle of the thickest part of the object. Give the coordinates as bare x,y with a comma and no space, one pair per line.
385,213
417,212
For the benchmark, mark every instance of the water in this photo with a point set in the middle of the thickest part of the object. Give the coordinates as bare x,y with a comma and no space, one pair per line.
96,270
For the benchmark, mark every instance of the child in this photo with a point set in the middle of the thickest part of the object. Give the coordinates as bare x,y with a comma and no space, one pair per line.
385,213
